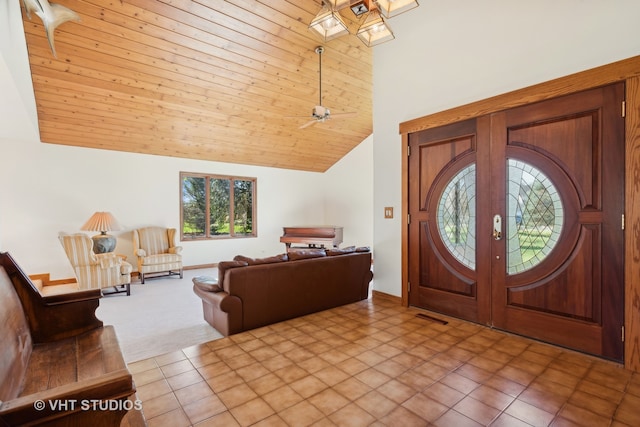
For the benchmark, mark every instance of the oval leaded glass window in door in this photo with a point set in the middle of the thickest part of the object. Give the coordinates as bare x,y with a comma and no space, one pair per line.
457,216
534,216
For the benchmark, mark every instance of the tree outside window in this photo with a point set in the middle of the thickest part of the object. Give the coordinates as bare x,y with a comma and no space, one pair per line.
214,206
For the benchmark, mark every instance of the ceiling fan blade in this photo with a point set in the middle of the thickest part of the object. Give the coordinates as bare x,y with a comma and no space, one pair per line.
350,114
309,123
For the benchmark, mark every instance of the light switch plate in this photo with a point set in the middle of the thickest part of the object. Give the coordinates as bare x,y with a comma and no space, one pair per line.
388,212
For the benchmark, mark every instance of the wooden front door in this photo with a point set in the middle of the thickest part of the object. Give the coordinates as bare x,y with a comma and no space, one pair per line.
516,220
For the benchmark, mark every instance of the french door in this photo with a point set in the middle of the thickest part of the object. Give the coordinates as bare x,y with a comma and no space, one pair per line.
516,220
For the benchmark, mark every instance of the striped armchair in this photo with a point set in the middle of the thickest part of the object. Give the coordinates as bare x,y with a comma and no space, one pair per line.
156,251
96,270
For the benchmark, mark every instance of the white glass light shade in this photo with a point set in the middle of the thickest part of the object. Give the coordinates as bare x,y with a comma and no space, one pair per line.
328,24
374,30
391,8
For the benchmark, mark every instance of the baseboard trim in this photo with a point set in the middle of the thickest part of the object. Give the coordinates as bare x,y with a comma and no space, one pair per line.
196,267
389,297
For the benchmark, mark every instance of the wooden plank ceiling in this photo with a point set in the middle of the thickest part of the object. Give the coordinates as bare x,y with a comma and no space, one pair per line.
228,81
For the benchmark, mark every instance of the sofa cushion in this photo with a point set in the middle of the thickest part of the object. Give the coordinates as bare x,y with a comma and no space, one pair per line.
306,254
257,261
224,266
340,251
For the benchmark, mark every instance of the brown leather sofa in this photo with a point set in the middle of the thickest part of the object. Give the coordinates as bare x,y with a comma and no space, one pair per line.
251,293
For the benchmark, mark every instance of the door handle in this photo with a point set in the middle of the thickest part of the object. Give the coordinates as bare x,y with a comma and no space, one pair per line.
497,227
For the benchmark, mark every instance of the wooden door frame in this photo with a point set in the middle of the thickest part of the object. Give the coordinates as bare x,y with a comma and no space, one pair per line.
627,70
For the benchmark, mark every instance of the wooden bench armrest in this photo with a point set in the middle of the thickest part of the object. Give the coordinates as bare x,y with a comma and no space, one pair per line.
72,297
57,317
53,317
74,397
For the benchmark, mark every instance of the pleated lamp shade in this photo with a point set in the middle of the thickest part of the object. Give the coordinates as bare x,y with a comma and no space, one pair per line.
102,222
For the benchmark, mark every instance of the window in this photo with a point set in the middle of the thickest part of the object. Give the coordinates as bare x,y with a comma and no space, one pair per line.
210,204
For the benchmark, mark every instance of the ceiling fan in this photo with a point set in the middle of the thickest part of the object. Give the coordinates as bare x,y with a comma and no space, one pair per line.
320,113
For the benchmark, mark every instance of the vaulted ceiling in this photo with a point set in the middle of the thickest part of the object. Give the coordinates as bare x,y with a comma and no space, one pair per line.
228,81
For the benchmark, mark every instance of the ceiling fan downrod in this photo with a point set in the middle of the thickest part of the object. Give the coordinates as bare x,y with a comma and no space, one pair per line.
320,51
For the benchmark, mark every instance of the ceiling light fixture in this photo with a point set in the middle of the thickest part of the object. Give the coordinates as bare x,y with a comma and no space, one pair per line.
374,30
391,8
328,24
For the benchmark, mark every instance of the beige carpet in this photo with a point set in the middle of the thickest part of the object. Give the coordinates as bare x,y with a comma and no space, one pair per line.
159,317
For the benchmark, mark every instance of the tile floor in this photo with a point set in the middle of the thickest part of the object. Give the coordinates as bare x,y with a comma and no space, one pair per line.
376,363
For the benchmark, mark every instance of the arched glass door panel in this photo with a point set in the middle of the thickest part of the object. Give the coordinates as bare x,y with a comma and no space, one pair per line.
457,216
534,216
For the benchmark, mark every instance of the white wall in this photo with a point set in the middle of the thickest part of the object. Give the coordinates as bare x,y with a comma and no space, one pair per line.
46,189
17,106
349,195
449,53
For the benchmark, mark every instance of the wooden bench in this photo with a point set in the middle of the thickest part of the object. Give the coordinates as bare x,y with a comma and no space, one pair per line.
59,365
